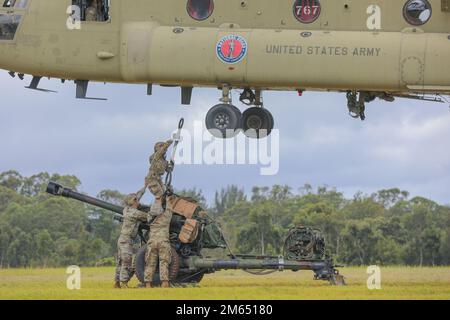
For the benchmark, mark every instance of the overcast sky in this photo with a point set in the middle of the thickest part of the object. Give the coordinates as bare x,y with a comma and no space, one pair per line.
106,144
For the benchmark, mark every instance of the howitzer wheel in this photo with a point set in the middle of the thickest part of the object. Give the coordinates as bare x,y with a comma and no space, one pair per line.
304,243
174,266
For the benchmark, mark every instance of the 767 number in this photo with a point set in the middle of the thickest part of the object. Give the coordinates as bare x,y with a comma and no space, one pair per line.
307,10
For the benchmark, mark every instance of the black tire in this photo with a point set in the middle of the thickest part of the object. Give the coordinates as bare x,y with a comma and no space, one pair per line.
257,123
224,121
140,266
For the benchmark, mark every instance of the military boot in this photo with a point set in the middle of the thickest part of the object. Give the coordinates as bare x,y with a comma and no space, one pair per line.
148,285
117,285
165,284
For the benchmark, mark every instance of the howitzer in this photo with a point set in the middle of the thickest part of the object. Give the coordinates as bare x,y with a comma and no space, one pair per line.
192,230
58,190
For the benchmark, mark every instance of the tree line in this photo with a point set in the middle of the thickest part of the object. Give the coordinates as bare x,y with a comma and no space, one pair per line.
387,227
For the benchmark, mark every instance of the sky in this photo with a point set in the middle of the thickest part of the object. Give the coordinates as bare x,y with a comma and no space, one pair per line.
405,144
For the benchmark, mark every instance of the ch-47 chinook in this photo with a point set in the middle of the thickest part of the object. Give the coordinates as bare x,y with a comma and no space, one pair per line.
366,49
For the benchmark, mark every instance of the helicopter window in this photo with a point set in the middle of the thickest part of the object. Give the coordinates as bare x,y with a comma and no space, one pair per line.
417,12
200,9
307,11
8,25
15,3
93,10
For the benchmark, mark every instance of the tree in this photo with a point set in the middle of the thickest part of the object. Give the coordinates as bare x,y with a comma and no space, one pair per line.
363,207
19,252
35,184
227,198
359,241
12,180
390,197
261,235
259,193
44,247
280,193
445,247
6,237
111,196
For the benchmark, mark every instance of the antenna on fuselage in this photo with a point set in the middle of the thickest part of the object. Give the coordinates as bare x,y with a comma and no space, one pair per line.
35,83
81,90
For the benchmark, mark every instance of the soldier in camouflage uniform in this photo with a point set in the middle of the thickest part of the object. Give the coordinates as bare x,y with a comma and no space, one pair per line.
158,247
158,166
131,219
92,11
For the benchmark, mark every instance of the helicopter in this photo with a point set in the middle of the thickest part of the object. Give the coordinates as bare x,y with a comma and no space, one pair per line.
365,49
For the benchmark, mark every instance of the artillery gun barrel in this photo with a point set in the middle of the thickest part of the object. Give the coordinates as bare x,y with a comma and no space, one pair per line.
58,190
265,264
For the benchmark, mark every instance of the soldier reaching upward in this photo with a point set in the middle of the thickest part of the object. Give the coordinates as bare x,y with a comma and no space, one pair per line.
131,219
158,166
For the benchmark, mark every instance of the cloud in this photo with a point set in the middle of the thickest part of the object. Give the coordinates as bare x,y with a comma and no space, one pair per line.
107,143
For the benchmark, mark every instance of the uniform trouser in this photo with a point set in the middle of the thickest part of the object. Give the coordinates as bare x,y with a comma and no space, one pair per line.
155,185
124,265
157,249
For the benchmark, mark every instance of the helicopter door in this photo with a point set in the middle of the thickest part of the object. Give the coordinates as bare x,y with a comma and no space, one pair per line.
412,59
11,15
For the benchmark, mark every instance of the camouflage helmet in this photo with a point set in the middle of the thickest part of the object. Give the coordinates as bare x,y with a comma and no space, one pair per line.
159,145
130,199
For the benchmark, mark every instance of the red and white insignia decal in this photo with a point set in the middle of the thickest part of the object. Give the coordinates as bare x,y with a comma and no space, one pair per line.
231,49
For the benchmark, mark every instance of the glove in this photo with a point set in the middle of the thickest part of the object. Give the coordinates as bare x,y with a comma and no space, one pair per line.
176,137
170,166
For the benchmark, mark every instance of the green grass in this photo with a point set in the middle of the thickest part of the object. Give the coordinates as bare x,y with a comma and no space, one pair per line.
397,283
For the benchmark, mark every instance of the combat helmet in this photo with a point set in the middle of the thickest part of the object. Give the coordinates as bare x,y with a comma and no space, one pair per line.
130,199
158,145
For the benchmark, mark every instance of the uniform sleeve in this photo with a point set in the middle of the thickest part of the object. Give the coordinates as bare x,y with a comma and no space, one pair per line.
141,192
160,153
140,215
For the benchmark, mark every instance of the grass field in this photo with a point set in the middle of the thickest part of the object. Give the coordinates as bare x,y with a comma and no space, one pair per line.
397,283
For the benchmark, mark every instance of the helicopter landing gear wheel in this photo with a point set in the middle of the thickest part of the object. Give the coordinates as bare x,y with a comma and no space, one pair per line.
224,121
257,122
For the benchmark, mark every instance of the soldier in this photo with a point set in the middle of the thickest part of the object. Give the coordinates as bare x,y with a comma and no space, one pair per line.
131,219
91,11
158,246
158,166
